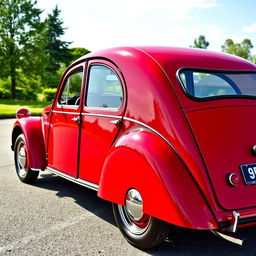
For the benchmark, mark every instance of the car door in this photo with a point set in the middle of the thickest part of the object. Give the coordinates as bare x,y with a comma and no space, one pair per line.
65,120
104,106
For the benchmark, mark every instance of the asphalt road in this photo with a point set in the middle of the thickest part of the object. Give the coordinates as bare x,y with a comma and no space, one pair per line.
57,217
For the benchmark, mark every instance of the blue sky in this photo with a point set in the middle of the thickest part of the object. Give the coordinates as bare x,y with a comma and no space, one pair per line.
99,24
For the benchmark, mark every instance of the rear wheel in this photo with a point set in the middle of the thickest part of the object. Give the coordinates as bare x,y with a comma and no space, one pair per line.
139,229
24,173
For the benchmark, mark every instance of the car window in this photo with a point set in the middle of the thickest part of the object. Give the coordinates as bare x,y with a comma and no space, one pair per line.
71,93
104,88
204,84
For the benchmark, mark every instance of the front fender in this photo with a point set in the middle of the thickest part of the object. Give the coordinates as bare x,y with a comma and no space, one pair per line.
142,160
31,127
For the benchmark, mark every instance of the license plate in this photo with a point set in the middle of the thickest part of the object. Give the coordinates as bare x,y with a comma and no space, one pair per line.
249,173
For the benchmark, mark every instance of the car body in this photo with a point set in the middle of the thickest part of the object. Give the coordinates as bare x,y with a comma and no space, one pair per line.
165,134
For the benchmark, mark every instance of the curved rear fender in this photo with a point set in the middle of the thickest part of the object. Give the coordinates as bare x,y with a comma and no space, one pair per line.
142,160
31,127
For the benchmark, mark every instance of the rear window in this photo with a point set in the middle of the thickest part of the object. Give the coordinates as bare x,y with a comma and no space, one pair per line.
201,84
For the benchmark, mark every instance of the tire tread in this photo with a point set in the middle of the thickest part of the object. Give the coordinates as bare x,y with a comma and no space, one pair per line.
31,176
155,235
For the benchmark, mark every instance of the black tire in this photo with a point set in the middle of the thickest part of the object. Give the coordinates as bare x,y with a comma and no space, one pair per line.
24,173
154,232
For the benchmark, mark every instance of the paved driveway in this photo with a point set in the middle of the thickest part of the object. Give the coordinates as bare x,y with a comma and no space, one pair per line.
57,217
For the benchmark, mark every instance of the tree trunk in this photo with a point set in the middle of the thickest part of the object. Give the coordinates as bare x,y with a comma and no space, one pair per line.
13,79
12,67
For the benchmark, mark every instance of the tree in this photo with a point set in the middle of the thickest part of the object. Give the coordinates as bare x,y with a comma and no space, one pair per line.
21,39
242,49
56,48
252,59
200,43
77,53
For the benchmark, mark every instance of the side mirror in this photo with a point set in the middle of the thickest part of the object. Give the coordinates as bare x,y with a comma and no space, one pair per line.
22,112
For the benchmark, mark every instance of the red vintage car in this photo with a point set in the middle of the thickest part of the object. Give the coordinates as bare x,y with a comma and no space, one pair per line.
166,134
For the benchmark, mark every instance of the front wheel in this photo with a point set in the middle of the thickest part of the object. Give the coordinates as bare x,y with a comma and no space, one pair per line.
139,229
24,173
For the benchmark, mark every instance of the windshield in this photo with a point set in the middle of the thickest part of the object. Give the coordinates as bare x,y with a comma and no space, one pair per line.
206,84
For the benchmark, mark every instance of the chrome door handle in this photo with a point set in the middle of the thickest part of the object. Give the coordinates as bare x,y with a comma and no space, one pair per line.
116,122
76,119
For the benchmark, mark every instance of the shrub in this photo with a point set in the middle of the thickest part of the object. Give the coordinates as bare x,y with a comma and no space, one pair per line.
49,93
25,93
4,93
40,97
5,85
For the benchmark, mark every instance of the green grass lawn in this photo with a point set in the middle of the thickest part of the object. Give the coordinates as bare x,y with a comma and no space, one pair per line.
9,107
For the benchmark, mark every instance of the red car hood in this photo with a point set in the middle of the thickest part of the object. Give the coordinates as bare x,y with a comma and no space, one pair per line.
225,137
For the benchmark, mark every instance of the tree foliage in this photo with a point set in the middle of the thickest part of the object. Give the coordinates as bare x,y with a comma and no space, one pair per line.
32,55
253,59
77,53
242,49
200,42
21,39
56,48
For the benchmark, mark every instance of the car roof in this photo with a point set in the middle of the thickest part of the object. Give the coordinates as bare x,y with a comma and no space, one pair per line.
175,57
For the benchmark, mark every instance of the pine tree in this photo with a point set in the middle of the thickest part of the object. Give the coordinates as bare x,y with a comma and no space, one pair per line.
56,48
200,43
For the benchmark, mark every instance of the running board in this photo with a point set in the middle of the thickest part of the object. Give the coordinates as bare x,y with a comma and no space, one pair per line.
84,183
231,237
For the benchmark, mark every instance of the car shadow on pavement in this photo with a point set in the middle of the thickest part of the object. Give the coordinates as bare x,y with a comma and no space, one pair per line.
180,242
84,197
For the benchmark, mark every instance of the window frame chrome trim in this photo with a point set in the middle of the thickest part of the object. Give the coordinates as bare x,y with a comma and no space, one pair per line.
75,107
79,68
101,115
102,108
207,70
65,112
87,86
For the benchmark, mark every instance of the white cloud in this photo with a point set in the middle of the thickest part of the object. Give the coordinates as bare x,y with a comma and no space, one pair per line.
174,35
250,29
175,9
98,24
94,3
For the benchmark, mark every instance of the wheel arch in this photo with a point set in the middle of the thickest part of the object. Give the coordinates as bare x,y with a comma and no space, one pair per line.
31,128
15,133
142,160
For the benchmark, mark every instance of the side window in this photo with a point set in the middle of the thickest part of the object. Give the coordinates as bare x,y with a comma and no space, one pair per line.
104,88
70,95
207,85
203,85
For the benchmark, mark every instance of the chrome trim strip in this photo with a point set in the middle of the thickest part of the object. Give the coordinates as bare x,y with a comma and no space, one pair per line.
131,120
149,128
101,115
65,112
35,169
134,121
119,117
84,183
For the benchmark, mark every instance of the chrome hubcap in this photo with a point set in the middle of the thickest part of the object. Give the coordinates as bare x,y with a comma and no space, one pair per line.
134,204
132,215
21,159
